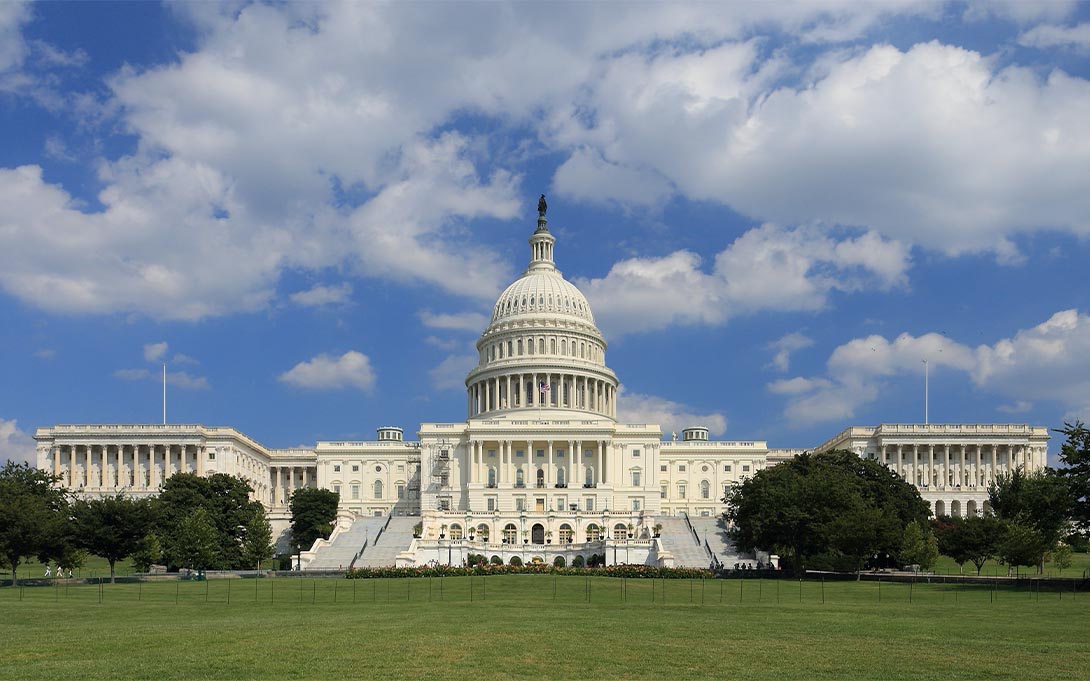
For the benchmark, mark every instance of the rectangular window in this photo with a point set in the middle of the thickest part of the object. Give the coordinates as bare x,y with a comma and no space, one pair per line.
541,453
336,468
681,468
444,504
336,489
539,504
401,491
355,491
726,468
681,491
491,501
492,453
560,453
518,453
588,503
636,453
662,492
561,503
355,469
635,478
520,503
636,504
663,468
401,468
726,490
745,469
211,456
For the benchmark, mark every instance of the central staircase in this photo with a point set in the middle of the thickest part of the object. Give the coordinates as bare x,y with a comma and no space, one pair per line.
383,549
678,539
340,554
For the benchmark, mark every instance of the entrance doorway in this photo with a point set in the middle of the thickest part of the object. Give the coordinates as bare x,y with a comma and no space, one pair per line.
537,533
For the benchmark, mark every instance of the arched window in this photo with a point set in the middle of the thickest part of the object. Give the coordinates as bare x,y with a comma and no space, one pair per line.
705,489
540,477
482,532
563,346
620,531
520,347
378,489
510,534
455,531
594,533
590,477
519,479
560,477
565,534
491,477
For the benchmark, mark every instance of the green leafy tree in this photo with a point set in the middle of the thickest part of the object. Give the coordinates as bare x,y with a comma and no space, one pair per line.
313,512
1060,556
257,542
832,509
225,498
148,552
33,516
72,557
1039,501
111,527
919,546
196,543
1020,544
1075,455
972,539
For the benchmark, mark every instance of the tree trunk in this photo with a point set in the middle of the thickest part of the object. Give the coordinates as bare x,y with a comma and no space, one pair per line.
112,561
14,568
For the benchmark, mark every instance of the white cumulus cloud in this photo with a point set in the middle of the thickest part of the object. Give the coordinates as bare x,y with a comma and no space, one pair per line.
320,295
672,416
328,372
15,445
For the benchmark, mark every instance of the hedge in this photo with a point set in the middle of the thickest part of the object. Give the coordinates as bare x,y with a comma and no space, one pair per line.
631,571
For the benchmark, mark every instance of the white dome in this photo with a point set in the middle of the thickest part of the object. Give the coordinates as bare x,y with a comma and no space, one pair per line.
542,292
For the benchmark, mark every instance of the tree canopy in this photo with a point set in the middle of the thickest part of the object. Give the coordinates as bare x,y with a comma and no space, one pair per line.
111,527
313,512
829,510
973,539
227,507
1075,455
1036,508
33,516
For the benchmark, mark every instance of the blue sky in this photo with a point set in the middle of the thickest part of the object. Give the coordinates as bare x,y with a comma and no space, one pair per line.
776,210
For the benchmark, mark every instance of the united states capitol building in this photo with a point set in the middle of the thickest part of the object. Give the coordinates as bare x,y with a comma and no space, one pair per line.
540,468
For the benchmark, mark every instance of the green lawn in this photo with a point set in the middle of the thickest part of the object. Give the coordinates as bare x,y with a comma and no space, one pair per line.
538,626
1079,563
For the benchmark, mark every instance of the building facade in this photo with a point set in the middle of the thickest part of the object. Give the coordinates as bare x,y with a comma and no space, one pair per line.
540,466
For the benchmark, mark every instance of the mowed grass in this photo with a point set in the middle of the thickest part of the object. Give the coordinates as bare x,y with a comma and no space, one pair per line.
539,626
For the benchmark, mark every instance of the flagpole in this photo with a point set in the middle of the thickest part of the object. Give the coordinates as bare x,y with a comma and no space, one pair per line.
164,394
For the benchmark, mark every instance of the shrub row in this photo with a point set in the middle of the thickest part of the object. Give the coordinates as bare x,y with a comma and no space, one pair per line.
484,568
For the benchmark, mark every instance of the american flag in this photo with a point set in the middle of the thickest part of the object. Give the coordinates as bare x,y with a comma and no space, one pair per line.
544,387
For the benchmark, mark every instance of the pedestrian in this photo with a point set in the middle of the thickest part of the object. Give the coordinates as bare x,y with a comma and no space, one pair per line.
69,573
48,573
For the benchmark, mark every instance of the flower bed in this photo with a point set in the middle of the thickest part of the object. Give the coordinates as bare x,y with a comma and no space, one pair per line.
631,571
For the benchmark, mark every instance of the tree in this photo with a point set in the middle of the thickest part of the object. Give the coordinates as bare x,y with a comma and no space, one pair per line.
972,539
148,552
33,516
1039,501
313,512
111,527
1061,556
919,546
257,542
1075,455
831,510
196,542
225,498
1020,544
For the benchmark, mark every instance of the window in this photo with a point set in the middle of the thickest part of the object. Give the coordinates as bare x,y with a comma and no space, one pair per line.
455,531
560,453
378,489
726,490
400,492
635,478
594,533
726,468
491,477
620,531
745,469
588,503
355,491
565,534
681,491
510,533
663,468
336,489
492,453
444,503
636,504
705,489
355,469
211,456
681,468
518,453
336,468
560,478
663,491
541,453
540,477
491,503
520,503
636,453
519,481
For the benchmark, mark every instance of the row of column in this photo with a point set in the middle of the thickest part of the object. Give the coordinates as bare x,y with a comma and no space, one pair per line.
523,391
147,465
506,466
283,481
977,463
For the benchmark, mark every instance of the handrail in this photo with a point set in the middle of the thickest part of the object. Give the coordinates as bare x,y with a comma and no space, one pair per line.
356,557
383,528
